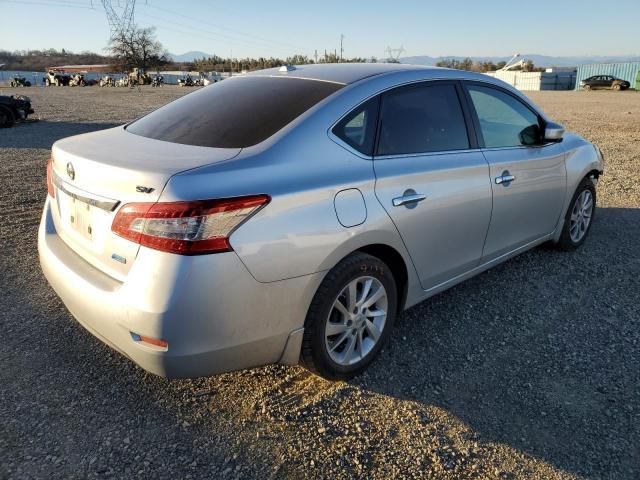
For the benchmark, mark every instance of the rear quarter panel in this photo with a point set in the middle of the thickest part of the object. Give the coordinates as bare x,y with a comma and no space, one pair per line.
581,158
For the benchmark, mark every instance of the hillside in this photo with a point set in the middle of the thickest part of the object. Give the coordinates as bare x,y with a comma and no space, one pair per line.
39,60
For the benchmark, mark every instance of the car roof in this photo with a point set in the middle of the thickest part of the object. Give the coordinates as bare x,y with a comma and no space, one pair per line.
344,73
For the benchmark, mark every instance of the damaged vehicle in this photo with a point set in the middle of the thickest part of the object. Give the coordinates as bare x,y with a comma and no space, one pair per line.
107,81
139,77
19,82
57,79
158,81
77,80
189,81
14,108
604,82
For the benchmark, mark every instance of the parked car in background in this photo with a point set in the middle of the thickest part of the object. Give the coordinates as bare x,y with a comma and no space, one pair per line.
138,77
604,81
122,81
292,214
14,108
77,80
189,81
157,81
56,79
19,82
107,81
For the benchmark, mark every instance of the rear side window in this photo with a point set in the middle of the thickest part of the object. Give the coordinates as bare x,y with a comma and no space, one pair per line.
427,118
358,128
234,113
504,120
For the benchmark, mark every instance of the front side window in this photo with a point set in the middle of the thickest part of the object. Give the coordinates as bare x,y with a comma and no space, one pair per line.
235,113
422,119
358,128
504,120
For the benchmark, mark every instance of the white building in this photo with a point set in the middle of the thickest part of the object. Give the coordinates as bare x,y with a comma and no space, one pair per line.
556,79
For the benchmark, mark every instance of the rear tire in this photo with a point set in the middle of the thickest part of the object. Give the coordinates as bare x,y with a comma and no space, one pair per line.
350,318
579,216
7,118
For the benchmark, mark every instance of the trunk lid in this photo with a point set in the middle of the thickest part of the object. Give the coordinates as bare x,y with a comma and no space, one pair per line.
95,174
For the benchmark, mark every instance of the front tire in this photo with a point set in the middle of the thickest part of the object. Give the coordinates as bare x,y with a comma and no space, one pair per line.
350,318
616,87
586,87
579,216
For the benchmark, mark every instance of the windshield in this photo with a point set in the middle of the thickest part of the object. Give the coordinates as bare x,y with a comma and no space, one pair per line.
234,113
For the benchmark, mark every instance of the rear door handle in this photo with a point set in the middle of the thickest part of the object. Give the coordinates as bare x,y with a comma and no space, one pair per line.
505,178
408,198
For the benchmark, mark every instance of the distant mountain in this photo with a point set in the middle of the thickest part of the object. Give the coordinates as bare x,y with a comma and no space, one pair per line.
538,60
189,56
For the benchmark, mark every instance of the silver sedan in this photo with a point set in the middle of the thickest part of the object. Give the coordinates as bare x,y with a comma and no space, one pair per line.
292,214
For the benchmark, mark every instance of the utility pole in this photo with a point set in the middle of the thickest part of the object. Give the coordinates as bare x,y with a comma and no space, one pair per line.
316,55
341,49
325,55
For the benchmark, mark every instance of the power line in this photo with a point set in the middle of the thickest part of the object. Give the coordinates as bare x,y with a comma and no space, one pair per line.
222,27
57,3
172,28
211,35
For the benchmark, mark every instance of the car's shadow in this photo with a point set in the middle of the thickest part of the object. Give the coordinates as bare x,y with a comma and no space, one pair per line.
44,133
541,353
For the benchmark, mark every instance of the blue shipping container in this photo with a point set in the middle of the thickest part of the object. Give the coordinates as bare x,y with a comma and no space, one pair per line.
625,71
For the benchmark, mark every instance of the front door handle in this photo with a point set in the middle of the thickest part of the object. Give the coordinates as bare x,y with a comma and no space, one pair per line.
409,198
506,178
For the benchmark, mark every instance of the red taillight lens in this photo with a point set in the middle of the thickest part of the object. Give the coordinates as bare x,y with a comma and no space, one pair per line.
50,188
186,228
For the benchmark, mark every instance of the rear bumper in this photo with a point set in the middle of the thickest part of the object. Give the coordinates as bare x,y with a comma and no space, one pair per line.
214,315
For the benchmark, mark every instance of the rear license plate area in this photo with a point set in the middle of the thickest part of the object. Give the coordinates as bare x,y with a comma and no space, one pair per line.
78,216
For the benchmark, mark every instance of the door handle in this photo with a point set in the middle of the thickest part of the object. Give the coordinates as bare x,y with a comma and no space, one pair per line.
505,178
408,198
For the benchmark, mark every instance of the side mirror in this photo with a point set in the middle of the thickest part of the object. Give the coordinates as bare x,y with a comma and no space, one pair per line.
553,132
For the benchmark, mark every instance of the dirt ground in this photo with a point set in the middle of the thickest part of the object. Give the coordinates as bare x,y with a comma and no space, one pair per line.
530,370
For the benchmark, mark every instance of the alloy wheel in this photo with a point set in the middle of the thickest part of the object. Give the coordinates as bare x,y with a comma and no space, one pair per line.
356,320
581,214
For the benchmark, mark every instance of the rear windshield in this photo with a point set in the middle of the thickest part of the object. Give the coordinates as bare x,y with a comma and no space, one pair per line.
233,113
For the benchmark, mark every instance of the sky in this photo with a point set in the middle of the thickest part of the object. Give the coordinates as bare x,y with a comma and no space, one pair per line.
281,28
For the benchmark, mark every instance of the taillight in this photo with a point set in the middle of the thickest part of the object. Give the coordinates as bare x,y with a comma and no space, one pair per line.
50,188
186,228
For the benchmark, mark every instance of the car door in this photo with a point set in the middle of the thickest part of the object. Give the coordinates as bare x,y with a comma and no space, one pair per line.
608,81
528,177
603,82
432,179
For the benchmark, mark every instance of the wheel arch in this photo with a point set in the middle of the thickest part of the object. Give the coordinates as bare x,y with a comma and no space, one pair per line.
396,263
582,162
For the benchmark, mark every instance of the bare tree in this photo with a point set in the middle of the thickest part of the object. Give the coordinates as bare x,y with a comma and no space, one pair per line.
139,48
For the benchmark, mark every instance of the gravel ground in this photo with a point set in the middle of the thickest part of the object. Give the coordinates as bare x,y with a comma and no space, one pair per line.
531,370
